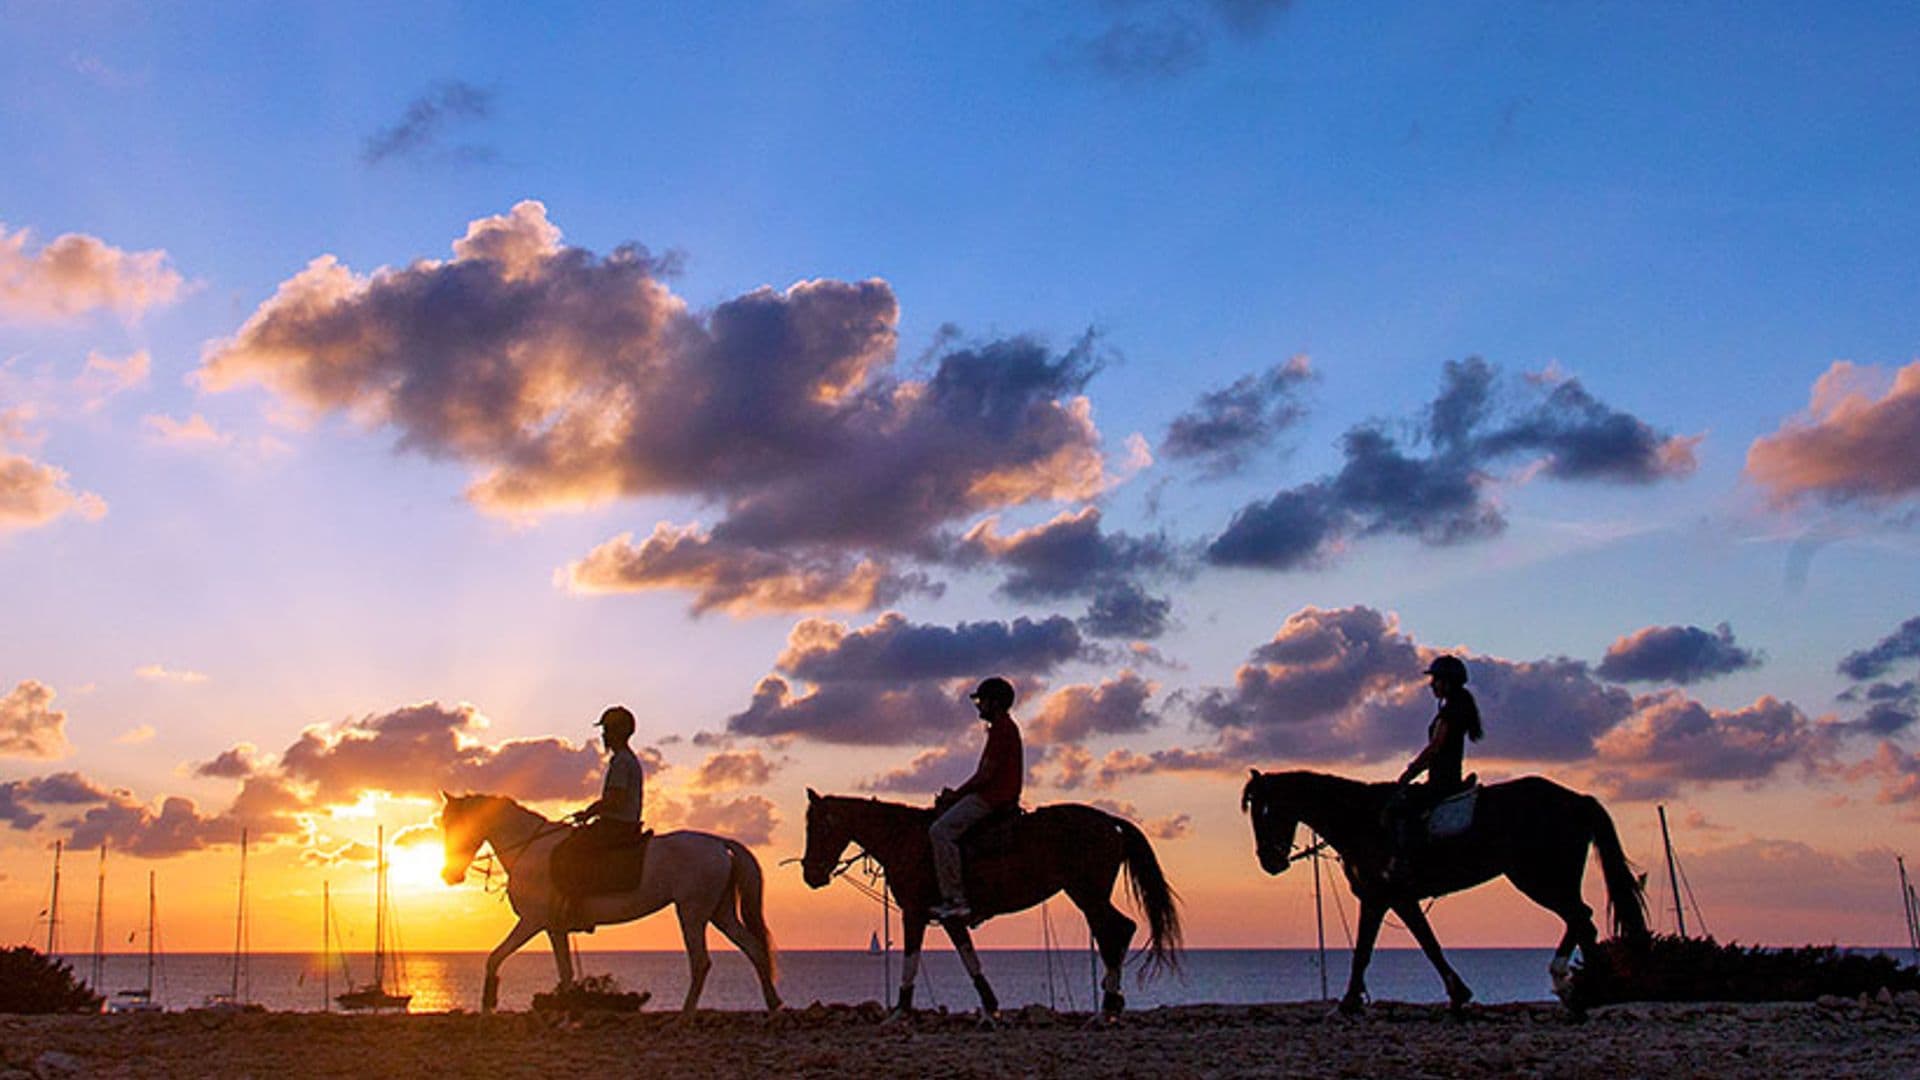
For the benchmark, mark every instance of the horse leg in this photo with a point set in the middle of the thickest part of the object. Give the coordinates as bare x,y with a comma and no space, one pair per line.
521,933
562,954
1566,903
963,944
1457,992
1371,914
755,950
913,929
1113,932
693,933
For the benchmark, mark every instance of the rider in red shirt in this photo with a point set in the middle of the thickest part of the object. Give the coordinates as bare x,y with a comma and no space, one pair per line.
994,785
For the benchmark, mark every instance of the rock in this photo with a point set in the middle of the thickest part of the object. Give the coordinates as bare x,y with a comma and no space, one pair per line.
55,1063
1884,997
1831,1001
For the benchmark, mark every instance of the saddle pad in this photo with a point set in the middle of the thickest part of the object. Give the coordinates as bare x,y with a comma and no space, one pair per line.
1453,815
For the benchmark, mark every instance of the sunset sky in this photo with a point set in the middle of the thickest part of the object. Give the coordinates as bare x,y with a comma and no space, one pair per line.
383,395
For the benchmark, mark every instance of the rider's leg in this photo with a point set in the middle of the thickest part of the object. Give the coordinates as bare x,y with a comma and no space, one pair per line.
945,837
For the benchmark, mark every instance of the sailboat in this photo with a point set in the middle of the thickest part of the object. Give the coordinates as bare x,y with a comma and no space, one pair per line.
231,999
141,1000
375,994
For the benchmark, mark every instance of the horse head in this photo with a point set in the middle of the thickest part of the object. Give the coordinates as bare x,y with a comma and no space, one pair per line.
828,834
1275,820
463,828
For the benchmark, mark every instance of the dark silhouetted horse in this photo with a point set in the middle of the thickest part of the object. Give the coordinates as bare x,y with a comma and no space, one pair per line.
1532,830
1010,866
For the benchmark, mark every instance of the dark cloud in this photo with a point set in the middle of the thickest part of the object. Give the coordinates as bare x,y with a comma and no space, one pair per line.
1556,428
1124,610
424,749
1067,556
1672,738
733,769
749,819
927,773
58,789
1896,769
1120,764
1880,657
893,649
1345,684
176,828
30,727
420,129
854,713
1675,654
568,379
1166,39
234,763
1117,706
1227,427
1172,827
738,579
1855,442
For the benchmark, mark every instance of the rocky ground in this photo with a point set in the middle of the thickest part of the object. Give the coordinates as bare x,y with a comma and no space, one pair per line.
1831,1039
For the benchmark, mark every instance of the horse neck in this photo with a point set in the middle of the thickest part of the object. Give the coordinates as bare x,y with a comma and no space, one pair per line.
884,830
1344,812
510,828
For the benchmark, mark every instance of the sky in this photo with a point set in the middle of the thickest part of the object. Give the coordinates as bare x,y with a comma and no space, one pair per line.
385,393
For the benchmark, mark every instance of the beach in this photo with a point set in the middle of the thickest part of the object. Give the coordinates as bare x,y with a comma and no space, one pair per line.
1831,1039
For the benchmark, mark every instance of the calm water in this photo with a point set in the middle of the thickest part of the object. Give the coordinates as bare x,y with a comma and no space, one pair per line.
1064,980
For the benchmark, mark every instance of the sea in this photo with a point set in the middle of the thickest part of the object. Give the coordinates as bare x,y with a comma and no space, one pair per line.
1063,979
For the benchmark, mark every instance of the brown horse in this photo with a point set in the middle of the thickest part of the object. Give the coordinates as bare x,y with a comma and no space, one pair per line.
1532,830
1067,847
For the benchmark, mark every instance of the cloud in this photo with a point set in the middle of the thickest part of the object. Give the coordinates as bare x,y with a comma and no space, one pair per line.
160,673
739,579
1345,684
421,749
853,713
1853,443
749,819
1116,706
567,379
34,494
1125,610
193,431
1158,42
1880,657
76,274
1549,423
1671,738
1118,765
1676,654
103,377
30,727
1066,556
57,789
733,769
1898,772
175,827
928,772
233,763
1172,827
426,120
136,735
1227,427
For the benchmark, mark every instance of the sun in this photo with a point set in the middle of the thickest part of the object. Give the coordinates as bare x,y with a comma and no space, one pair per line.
414,867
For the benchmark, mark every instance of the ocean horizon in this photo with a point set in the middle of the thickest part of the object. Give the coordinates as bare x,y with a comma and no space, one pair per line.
1063,979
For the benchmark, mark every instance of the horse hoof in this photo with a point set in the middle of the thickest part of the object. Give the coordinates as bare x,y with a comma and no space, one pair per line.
1101,1021
987,1022
1349,1008
896,1018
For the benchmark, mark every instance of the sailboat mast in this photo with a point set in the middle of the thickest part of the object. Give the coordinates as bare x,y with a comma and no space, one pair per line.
1907,904
151,905
53,909
239,919
326,946
380,909
1673,876
1319,914
99,921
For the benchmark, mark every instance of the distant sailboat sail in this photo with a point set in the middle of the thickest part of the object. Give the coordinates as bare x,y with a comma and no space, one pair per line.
141,1000
873,944
375,994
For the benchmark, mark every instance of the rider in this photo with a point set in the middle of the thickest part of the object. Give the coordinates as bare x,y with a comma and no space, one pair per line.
611,822
1442,759
994,785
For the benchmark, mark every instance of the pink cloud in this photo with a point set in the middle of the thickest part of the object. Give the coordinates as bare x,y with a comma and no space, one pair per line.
34,494
30,727
1855,440
76,273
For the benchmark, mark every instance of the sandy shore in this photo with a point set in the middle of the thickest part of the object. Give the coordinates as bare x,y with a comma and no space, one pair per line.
1839,1039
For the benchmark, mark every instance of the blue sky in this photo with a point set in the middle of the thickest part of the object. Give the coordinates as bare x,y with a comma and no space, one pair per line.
1693,215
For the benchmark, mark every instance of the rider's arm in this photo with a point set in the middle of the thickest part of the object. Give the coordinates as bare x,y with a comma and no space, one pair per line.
1423,760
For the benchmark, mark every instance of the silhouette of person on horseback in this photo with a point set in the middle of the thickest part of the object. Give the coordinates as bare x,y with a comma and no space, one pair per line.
1442,759
609,825
994,786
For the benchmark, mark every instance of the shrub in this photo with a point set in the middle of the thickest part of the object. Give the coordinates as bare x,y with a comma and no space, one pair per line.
1673,968
31,982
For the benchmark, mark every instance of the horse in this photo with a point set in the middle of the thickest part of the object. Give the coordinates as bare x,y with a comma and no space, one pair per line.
1532,830
1066,847
708,879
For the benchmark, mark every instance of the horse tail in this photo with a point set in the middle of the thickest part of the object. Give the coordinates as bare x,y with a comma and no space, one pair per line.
1626,906
749,886
1153,896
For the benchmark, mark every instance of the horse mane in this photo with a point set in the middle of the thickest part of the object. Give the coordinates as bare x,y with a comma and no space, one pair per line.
1261,785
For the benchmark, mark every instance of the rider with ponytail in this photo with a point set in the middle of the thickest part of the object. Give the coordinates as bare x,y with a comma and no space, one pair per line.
1442,759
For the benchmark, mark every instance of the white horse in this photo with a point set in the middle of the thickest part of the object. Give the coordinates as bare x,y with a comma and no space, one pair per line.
708,879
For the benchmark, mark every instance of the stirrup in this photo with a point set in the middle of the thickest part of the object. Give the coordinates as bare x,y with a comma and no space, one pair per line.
950,910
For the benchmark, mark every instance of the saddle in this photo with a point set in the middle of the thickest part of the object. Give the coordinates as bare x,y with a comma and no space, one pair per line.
994,833
590,862
1453,815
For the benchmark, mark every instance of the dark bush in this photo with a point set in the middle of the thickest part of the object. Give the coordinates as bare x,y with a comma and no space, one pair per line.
31,982
1701,969
591,993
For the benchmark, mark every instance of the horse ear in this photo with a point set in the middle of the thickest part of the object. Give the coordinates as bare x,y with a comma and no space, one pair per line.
444,797
813,796
1255,772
